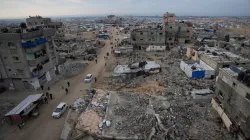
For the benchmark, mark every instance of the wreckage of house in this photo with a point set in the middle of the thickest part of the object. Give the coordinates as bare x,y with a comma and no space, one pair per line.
216,58
232,99
125,72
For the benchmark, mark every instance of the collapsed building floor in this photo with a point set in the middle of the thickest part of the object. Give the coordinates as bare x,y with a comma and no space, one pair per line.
158,106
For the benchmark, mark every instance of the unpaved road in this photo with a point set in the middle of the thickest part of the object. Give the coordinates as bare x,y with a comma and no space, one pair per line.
44,127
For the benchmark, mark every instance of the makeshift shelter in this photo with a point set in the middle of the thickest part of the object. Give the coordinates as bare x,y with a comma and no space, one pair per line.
21,112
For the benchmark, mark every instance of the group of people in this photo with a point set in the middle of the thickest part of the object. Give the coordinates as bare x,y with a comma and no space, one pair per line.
47,95
66,89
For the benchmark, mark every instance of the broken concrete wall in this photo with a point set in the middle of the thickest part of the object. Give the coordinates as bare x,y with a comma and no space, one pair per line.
222,114
192,53
234,104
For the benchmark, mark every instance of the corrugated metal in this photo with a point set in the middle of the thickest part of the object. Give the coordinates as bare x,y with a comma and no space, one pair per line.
24,104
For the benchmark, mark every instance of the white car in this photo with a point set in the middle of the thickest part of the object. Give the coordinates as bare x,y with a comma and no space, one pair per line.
88,78
60,109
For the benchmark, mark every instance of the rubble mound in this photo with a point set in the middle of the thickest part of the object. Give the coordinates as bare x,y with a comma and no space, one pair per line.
73,69
152,87
5,106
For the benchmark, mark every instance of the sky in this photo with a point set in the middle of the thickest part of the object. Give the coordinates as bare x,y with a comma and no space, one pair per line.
50,8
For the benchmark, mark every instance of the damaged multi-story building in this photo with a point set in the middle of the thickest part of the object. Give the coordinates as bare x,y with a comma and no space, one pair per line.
39,21
28,58
167,35
232,100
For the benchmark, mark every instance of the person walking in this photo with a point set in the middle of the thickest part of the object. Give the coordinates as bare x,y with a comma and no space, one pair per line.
19,126
47,94
105,64
68,83
50,95
42,87
48,88
96,61
66,90
46,99
95,79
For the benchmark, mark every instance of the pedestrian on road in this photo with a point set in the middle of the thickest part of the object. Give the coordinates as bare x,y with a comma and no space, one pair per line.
105,64
47,94
66,90
19,126
48,88
68,83
95,79
42,87
50,95
46,99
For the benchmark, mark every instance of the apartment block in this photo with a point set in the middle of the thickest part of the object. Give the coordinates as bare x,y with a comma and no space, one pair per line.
169,35
38,21
168,18
232,100
28,59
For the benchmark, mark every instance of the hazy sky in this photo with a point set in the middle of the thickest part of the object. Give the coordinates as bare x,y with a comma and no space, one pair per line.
24,8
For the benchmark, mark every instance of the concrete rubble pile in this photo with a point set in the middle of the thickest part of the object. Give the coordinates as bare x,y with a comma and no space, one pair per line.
99,102
157,117
5,106
73,69
184,118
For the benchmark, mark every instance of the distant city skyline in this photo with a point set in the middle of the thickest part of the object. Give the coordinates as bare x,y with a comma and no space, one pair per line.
50,8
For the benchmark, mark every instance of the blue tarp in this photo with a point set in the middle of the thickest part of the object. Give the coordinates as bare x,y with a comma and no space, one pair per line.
198,74
34,43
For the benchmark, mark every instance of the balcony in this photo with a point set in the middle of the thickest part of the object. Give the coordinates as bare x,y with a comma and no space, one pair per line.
37,60
34,43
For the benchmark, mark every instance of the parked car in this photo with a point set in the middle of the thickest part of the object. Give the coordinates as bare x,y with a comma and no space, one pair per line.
60,109
88,78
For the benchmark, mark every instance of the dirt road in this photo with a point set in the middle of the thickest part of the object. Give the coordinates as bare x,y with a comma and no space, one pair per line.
44,127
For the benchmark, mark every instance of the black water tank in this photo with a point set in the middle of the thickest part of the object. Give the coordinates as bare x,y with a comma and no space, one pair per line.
246,77
241,76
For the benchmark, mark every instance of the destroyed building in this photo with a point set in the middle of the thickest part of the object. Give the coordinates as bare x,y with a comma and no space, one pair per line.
27,59
168,18
197,70
232,100
39,21
125,72
215,57
167,35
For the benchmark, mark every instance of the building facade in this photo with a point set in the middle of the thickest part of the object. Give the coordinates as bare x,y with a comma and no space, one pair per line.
168,18
27,60
35,21
169,35
232,100
38,21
